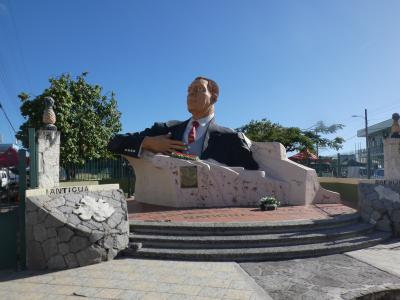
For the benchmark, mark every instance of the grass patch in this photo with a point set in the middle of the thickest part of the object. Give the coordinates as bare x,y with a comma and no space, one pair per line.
347,191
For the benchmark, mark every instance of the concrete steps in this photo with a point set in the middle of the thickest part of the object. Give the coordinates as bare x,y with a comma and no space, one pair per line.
251,241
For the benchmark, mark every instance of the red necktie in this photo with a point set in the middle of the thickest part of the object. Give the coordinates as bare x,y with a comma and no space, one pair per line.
192,132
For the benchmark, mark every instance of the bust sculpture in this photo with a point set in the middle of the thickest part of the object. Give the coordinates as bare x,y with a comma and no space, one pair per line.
395,132
231,169
199,135
49,116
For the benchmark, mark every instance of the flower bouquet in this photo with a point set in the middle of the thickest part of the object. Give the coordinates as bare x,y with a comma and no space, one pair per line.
184,156
269,203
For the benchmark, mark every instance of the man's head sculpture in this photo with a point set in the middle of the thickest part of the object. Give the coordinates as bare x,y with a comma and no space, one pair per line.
202,95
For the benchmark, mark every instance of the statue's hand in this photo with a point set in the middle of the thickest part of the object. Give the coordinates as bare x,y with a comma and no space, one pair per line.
162,144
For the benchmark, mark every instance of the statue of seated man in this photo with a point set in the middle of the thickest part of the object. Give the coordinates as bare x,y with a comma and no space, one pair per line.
200,135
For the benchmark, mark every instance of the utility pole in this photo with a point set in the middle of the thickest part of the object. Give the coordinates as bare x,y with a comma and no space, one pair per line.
367,146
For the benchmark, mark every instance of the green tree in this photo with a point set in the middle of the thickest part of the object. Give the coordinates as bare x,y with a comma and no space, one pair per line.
85,117
320,129
292,138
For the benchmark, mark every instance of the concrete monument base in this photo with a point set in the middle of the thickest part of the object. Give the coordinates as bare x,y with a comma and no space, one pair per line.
166,181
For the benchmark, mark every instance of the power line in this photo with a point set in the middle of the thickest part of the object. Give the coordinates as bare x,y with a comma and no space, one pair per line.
5,114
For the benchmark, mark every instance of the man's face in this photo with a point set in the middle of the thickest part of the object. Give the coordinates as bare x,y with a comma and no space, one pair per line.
199,97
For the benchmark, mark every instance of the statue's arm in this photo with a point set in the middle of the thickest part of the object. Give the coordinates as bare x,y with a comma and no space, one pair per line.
130,143
242,155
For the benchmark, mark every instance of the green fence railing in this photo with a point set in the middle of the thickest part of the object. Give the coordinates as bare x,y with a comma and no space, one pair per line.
117,170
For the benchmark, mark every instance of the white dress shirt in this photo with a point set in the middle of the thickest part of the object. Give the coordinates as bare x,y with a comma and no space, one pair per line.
200,131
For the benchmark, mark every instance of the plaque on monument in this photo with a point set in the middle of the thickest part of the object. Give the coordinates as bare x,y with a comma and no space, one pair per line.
188,177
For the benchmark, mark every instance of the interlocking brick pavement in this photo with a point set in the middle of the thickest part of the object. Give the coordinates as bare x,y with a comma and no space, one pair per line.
144,212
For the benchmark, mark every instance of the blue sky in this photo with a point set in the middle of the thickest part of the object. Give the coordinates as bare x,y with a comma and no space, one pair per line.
293,62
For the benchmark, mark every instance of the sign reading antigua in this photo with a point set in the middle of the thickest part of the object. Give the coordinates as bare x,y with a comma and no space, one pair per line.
67,190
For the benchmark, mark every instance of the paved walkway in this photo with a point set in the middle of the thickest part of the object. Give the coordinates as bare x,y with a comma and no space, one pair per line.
145,212
343,276
133,279
329,277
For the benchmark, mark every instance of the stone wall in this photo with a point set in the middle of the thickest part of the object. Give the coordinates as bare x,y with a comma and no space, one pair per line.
379,204
75,226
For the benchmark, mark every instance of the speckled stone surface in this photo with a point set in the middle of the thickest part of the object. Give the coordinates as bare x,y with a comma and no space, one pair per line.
328,277
48,158
59,236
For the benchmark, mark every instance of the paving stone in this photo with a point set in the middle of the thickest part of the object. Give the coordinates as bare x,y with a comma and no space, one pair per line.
74,219
375,216
55,202
40,232
52,221
83,230
31,217
109,242
95,236
56,262
51,232
41,215
121,241
78,243
71,260
90,255
73,198
111,253
64,234
63,248
50,248
66,209
35,257
396,216
384,224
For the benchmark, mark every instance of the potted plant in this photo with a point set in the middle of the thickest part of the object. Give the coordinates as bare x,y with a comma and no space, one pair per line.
269,203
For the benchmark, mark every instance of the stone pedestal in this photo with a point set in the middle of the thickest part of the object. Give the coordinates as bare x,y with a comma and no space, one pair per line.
48,158
392,158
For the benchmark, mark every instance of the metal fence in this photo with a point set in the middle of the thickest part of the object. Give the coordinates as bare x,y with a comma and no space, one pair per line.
115,170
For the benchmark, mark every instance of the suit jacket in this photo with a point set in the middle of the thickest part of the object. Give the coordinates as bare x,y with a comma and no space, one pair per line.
220,143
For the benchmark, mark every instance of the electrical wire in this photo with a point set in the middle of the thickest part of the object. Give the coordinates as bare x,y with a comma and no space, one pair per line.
9,121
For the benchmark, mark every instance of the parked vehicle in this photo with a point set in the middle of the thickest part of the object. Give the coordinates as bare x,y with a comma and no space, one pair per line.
356,172
379,173
4,182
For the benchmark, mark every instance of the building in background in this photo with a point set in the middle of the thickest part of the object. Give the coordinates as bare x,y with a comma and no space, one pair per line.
376,134
8,155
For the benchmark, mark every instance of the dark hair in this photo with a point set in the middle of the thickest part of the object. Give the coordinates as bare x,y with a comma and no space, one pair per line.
212,87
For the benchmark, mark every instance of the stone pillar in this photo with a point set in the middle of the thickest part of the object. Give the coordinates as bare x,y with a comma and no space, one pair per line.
391,148
48,158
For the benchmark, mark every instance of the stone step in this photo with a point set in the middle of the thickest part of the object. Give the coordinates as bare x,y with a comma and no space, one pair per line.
239,228
249,241
264,253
